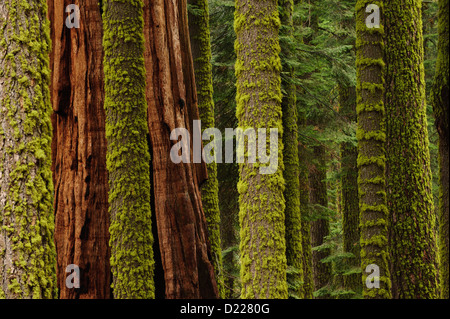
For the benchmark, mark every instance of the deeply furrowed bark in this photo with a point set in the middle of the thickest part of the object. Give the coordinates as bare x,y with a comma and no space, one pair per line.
79,151
172,103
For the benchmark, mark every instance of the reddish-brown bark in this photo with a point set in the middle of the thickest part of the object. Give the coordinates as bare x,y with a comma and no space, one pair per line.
79,150
172,103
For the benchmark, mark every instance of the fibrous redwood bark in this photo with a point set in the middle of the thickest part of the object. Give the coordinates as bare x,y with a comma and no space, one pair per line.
172,103
79,150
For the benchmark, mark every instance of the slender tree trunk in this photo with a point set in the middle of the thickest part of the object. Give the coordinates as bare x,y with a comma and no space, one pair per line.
172,103
128,158
294,253
440,96
27,249
201,53
319,227
308,282
371,137
349,184
79,151
261,216
412,236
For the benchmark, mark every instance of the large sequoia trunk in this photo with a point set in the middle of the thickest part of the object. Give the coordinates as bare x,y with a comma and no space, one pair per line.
79,150
172,103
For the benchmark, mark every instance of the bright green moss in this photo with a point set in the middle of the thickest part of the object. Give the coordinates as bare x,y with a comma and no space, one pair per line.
27,220
371,161
261,215
201,44
413,237
128,158
294,250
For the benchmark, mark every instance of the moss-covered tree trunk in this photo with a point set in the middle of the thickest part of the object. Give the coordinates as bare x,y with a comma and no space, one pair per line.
79,151
371,160
440,96
261,200
320,226
27,249
172,103
128,158
349,185
294,253
201,54
408,175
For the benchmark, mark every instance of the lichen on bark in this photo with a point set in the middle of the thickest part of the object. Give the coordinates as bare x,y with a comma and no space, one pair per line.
201,53
371,150
261,200
27,249
128,157
412,237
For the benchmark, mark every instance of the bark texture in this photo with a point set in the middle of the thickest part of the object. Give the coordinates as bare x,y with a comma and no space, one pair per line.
261,200
294,252
408,174
319,227
371,160
201,52
440,96
128,157
349,189
308,282
172,103
27,249
79,151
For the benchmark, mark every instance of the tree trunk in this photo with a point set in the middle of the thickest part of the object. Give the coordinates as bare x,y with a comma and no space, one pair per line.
320,227
440,96
371,137
79,151
412,235
128,157
349,184
172,103
27,249
308,281
201,53
292,212
261,200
